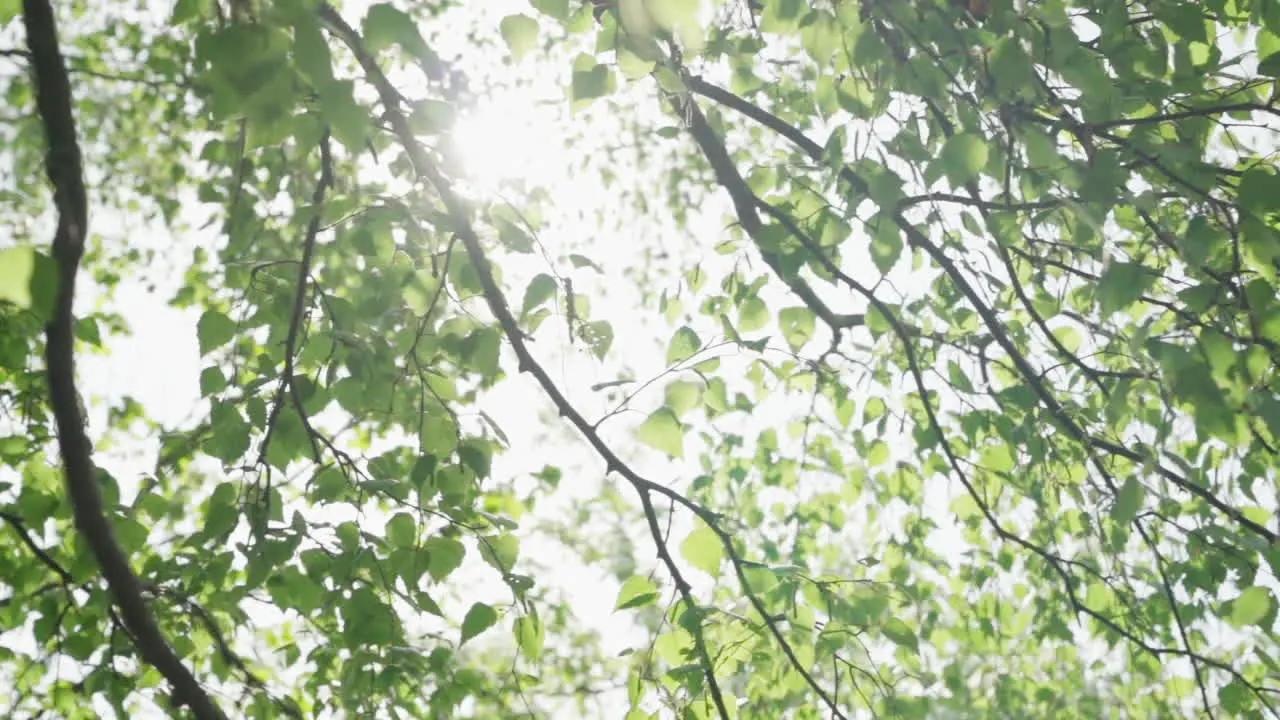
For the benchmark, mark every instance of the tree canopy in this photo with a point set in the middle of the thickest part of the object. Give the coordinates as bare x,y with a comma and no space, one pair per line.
831,359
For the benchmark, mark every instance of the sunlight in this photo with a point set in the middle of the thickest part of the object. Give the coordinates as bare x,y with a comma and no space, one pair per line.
508,141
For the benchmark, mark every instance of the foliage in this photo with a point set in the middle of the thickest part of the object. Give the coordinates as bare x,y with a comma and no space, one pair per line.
968,402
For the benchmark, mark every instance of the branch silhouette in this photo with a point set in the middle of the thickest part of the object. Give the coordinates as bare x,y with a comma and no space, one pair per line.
63,163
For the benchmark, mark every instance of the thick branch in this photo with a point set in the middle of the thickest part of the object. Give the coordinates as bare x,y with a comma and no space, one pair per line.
63,164
744,203
460,223
917,239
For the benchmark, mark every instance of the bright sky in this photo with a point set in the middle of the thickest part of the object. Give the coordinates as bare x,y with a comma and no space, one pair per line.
517,135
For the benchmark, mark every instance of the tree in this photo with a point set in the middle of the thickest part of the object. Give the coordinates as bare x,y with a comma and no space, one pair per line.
967,400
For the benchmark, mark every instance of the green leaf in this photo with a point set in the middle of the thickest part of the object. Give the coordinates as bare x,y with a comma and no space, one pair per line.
402,530
385,25
521,34
514,237
1270,65
311,50
131,533
444,555
432,117
957,377
530,635
348,119
663,431
369,621
1121,284
500,551
1128,501
1251,607
672,14
682,396
998,458
797,325
636,592
703,549
684,344
1187,19
214,330
902,634
228,439
598,334
590,80
328,485
886,244
29,279
420,292
479,618
212,382
752,315
878,453
558,9
582,261
632,60
781,16
963,156
223,512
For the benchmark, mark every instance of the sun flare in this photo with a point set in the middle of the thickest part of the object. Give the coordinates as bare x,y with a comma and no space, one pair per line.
506,141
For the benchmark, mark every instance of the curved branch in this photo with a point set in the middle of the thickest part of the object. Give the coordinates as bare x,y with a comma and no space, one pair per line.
460,224
917,239
63,165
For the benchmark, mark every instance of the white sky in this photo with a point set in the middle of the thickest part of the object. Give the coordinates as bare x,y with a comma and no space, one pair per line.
518,135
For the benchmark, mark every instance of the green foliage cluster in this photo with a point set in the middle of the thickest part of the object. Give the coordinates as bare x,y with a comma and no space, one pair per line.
971,404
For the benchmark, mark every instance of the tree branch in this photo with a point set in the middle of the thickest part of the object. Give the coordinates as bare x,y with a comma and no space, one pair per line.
460,224
64,166
24,534
300,299
918,239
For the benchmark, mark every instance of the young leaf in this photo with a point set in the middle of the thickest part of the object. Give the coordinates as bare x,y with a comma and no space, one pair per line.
521,34
798,325
682,396
500,551
1128,501
684,343
1250,607
444,555
752,315
662,431
479,618
214,330
402,530
962,157
590,81
902,634
530,635
703,549
637,591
